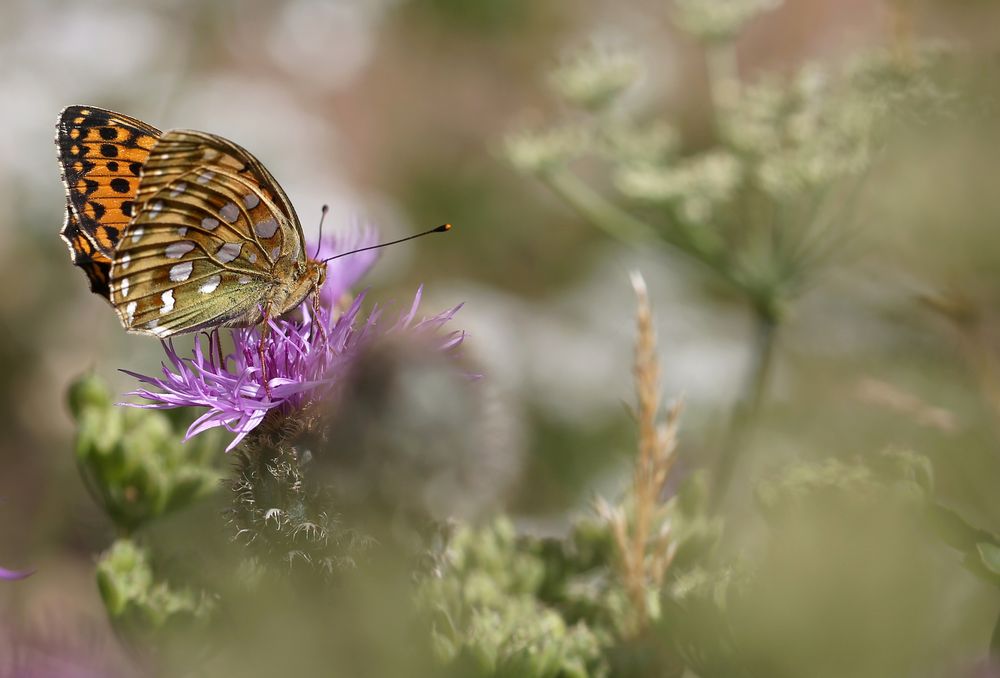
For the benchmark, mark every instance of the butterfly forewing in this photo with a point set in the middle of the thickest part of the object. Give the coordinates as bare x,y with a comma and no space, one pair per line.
101,154
212,225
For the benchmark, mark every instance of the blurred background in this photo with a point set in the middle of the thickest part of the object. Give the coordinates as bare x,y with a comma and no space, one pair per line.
394,112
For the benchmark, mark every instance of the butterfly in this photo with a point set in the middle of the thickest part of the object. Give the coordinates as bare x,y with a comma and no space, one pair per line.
179,230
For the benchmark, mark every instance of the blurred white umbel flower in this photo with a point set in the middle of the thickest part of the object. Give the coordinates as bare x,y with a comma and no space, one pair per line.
538,151
718,20
594,77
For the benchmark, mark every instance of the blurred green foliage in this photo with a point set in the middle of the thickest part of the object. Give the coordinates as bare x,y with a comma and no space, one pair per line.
143,609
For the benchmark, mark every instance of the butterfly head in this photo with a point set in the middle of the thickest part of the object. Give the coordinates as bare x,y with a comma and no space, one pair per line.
315,273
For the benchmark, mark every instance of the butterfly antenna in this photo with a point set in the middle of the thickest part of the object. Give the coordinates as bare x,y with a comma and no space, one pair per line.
440,229
322,218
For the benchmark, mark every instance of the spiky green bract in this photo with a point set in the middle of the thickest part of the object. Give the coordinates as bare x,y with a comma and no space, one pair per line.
284,516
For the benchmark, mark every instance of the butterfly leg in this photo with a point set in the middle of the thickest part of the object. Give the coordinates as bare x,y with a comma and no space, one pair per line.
218,348
316,317
264,330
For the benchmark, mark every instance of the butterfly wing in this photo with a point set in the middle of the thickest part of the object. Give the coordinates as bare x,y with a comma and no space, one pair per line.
101,154
213,237
93,261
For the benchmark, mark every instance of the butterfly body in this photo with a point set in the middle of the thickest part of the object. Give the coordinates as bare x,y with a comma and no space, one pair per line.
179,230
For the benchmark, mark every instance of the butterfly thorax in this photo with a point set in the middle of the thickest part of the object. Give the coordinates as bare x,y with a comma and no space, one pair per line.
303,278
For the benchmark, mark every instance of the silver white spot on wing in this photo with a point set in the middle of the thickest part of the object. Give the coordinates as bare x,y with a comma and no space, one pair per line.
126,260
155,209
209,223
182,271
176,250
124,287
266,228
137,233
154,327
275,252
168,302
252,257
182,230
178,189
229,251
229,212
243,279
251,200
205,177
130,311
210,284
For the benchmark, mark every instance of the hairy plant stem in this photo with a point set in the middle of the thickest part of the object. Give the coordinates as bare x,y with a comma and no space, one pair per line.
746,408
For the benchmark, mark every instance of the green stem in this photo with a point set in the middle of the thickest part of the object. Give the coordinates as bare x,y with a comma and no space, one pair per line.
598,211
623,226
746,409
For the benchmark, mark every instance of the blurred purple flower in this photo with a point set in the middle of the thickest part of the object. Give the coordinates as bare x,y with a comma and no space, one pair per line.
344,273
12,574
304,360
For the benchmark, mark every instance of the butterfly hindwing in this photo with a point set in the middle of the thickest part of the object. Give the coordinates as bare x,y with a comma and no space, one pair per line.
211,229
101,154
93,261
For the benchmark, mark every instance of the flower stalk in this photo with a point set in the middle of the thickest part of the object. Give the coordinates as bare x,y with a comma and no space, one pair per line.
747,407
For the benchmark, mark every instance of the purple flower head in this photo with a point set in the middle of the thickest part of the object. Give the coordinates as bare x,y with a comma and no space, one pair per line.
304,360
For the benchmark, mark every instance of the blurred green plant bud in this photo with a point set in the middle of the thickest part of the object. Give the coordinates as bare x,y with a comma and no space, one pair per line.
133,461
138,605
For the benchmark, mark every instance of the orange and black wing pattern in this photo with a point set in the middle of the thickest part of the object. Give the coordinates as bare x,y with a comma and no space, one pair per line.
101,154
93,261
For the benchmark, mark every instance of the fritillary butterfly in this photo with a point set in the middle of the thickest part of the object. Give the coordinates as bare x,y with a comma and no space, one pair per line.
180,230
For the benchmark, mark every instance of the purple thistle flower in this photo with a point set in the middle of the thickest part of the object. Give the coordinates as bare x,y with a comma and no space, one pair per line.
304,360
